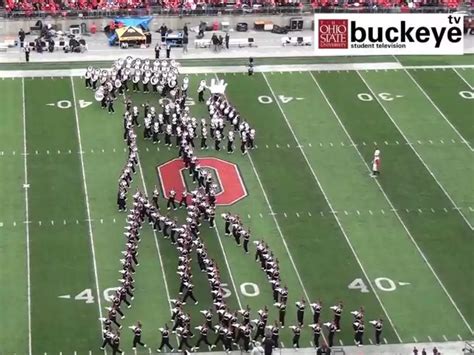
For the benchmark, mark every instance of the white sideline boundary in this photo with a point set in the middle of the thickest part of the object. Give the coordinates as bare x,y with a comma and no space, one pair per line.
242,69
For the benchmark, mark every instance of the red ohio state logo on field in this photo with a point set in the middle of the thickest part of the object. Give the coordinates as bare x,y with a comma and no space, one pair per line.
232,188
333,34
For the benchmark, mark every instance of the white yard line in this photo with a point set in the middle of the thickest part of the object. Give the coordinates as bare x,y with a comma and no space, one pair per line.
331,207
27,217
86,193
462,78
388,199
414,150
413,240
439,110
228,267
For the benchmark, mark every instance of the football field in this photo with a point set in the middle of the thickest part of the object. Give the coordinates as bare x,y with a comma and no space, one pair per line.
400,245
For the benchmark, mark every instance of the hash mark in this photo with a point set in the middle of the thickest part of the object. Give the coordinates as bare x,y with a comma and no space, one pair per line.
444,337
445,210
345,212
52,223
47,152
370,212
363,143
322,214
39,222
397,142
385,340
433,210
309,145
277,146
309,213
340,342
288,145
382,211
14,224
249,216
420,210
459,337
358,213
416,341
429,338
370,341
330,143
342,144
297,215
261,215
386,143
266,145
64,222
452,140
284,214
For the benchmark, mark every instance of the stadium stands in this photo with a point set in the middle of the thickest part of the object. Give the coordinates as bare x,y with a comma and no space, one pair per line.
61,7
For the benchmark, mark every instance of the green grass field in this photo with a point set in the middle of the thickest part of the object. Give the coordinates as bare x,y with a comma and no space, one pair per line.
400,245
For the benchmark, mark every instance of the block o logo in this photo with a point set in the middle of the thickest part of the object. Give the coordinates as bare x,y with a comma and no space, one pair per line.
230,183
333,34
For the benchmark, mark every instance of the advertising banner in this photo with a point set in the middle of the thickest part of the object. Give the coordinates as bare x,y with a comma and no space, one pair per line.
388,34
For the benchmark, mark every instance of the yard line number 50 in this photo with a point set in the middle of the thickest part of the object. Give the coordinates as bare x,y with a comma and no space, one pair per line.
248,289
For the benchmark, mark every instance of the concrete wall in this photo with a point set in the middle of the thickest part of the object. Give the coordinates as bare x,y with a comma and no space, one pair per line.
12,26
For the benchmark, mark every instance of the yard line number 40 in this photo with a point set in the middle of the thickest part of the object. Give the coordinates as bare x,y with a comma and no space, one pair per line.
382,283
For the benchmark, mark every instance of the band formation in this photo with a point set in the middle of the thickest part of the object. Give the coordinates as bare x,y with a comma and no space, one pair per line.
173,123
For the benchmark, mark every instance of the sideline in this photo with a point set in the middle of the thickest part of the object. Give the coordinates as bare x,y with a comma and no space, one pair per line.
242,69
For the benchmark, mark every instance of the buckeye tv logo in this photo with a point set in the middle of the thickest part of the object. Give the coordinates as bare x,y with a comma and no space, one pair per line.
333,34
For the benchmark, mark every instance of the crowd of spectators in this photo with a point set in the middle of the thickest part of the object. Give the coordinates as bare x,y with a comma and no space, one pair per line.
62,6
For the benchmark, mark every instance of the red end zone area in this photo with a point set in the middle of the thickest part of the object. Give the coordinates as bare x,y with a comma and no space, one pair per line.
233,189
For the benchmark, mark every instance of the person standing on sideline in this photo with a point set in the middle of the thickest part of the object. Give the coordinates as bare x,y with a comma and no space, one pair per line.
168,50
226,40
157,51
376,164
185,44
21,36
27,53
